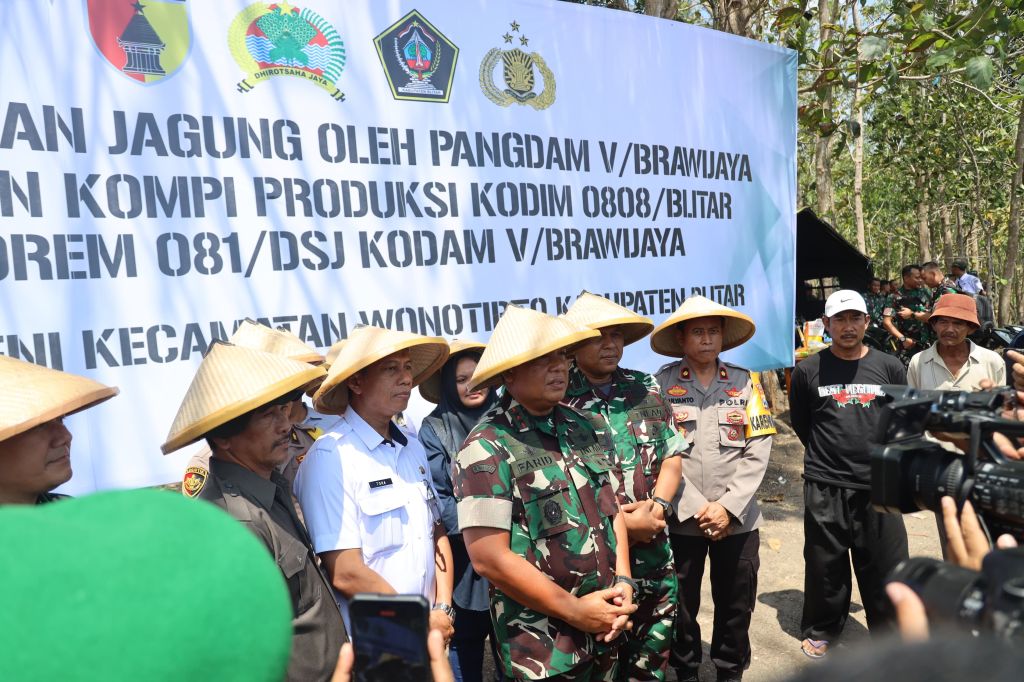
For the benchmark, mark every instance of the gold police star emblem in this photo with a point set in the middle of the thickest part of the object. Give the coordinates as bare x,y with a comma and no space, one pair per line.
519,75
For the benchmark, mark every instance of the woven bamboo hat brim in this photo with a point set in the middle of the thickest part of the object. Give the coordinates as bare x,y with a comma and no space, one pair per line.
231,381
333,352
430,389
737,329
365,346
597,312
33,395
521,335
252,334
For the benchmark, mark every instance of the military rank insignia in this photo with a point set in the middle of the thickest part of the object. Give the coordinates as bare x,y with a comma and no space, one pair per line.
194,481
722,374
519,71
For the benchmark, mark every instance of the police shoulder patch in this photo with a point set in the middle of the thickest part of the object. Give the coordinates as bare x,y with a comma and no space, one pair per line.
194,481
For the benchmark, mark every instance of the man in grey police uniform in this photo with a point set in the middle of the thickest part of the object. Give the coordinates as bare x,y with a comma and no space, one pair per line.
722,411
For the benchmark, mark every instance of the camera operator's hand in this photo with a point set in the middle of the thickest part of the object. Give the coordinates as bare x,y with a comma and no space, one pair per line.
1016,379
440,668
910,613
968,544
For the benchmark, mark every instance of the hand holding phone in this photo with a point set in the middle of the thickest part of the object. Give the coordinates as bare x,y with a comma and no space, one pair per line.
389,634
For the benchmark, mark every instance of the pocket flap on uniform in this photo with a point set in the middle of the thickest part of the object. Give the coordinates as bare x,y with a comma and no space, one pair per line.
597,462
380,501
292,557
733,416
540,487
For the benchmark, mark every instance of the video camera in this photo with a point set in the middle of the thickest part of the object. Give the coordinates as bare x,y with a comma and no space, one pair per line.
909,472
991,600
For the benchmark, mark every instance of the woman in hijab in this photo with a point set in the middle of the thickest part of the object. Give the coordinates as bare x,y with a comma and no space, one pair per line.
442,434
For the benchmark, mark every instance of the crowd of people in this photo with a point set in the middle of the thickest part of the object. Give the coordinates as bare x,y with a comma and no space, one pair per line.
555,506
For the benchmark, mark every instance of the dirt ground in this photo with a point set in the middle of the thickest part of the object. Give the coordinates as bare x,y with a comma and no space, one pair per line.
775,628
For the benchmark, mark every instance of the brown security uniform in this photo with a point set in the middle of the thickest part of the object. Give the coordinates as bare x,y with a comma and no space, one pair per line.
729,427
265,507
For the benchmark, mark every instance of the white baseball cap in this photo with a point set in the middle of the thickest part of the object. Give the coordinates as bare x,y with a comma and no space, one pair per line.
845,299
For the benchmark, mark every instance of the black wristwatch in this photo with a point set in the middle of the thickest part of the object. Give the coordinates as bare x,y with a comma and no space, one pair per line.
628,581
665,505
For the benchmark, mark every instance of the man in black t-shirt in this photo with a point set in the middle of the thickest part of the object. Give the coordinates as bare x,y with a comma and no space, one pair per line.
835,410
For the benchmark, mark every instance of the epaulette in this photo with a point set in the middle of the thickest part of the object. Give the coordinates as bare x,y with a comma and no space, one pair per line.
742,369
668,365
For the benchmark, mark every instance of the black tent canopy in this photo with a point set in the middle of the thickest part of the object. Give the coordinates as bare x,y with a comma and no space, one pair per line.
821,253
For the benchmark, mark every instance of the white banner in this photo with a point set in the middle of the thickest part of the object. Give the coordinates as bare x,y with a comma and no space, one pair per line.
168,168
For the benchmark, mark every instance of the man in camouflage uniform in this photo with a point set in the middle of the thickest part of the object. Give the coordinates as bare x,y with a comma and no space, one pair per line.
538,512
877,302
906,318
627,406
722,411
937,282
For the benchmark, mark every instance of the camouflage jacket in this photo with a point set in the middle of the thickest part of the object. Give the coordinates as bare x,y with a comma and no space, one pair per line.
546,481
919,301
877,303
640,425
947,286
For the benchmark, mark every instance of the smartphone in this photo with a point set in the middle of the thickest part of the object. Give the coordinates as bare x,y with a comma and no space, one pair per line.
389,634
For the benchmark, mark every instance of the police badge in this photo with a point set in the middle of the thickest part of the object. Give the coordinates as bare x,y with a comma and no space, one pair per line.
519,74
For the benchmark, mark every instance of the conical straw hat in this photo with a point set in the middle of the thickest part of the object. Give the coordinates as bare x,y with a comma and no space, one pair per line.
365,346
252,334
231,381
737,329
430,389
521,335
597,312
333,352
33,395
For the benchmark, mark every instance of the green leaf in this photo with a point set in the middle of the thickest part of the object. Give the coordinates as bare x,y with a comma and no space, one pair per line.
980,71
940,58
922,42
872,48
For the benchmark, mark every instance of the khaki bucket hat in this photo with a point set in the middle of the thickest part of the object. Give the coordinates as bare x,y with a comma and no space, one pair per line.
365,346
521,335
231,381
958,307
252,334
597,312
33,395
737,330
430,389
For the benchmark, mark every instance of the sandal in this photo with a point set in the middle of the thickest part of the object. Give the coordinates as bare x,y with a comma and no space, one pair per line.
817,647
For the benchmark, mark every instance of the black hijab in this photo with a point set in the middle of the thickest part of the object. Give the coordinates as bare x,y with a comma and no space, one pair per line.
457,419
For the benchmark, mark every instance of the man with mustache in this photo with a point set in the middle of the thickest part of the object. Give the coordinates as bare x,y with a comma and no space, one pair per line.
955,362
365,487
626,406
834,408
721,409
239,401
538,511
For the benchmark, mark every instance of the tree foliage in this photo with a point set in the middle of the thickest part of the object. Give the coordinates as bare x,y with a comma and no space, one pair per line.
931,92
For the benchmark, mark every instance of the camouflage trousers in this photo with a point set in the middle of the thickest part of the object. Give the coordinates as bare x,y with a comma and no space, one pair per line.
645,653
603,667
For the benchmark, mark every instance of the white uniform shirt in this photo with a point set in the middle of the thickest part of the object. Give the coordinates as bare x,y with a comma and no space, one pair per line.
358,491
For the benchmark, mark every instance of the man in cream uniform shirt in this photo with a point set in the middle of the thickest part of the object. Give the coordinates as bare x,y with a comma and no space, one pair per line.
364,486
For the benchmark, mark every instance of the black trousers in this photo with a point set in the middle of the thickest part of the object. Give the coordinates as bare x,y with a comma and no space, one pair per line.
734,565
840,524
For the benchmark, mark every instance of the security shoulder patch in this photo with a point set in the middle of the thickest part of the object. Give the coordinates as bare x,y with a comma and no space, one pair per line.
194,481
482,468
759,416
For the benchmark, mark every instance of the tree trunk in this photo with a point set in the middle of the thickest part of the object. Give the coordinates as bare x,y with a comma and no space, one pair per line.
961,249
1013,233
923,237
665,9
733,16
946,232
822,147
858,148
